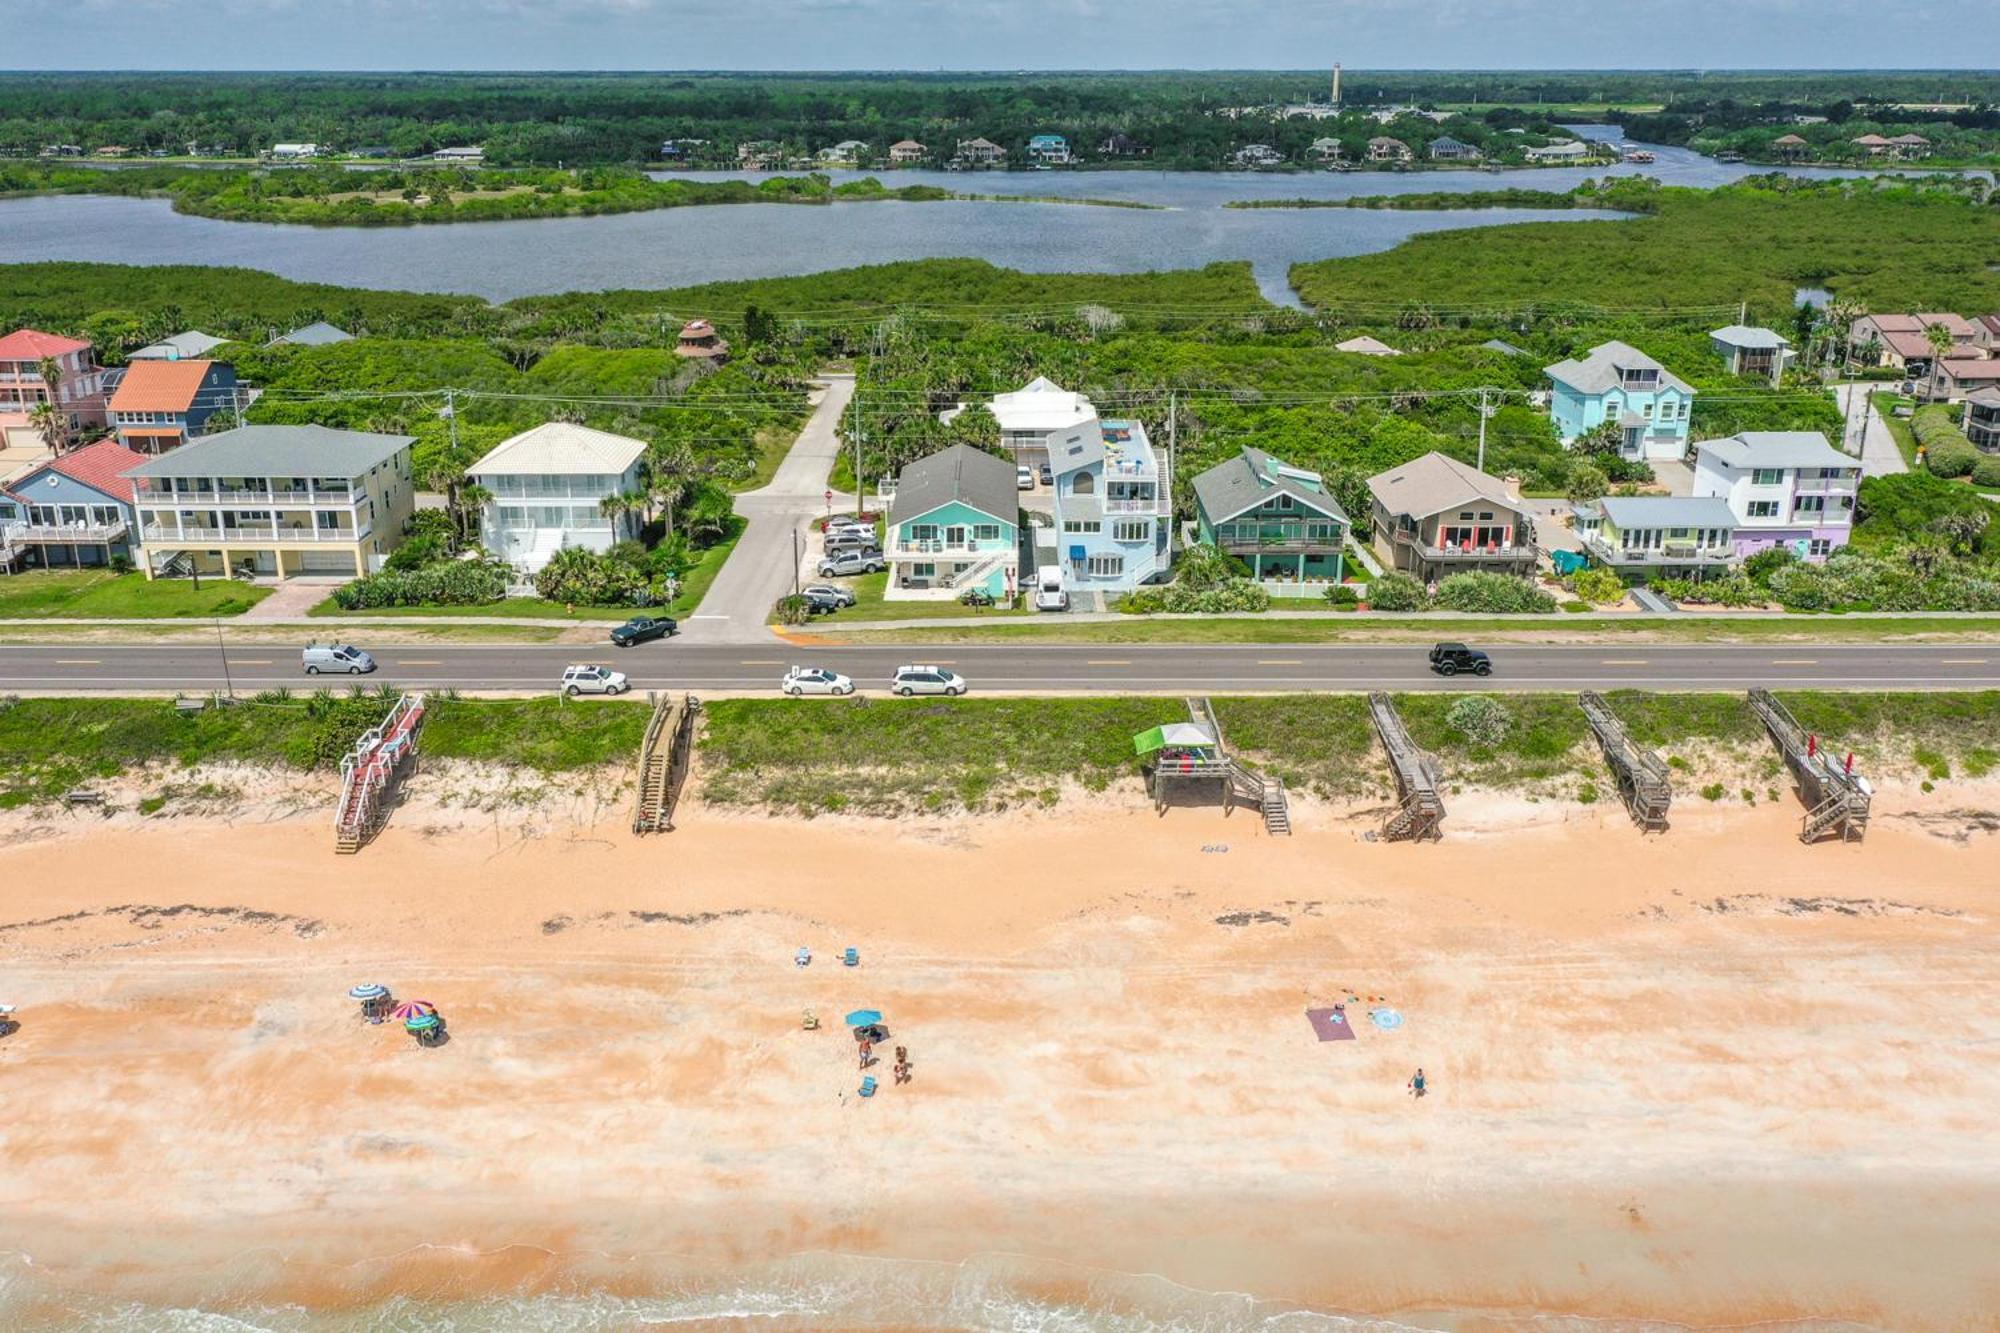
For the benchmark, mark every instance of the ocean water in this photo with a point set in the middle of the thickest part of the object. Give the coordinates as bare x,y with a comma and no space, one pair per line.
987,1294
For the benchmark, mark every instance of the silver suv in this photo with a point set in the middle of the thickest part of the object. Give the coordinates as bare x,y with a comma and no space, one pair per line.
910,680
593,680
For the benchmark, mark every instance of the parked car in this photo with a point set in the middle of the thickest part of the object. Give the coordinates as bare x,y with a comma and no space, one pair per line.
815,680
1048,476
1024,477
849,523
586,679
1050,595
851,541
641,628
819,602
926,680
1448,659
851,562
837,594
337,657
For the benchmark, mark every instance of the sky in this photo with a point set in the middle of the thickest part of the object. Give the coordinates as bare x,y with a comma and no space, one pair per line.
998,34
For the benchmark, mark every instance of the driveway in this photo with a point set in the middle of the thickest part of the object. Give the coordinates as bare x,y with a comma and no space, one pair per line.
1879,455
761,568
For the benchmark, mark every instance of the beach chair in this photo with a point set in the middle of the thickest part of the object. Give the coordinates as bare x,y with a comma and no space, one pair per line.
852,957
803,957
811,1021
868,1086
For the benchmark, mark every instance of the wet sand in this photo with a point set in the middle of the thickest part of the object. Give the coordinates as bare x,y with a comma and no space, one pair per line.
1712,1077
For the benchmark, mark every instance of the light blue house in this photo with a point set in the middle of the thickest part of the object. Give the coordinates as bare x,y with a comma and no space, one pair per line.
1048,150
954,526
1112,508
74,511
1620,383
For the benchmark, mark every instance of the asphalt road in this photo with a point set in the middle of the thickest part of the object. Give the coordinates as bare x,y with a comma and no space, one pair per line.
1027,669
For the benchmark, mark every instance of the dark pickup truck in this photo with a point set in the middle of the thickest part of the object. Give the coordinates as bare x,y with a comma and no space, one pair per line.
641,628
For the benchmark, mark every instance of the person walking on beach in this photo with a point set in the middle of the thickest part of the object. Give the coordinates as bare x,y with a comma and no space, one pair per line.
902,1064
867,1048
1417,1084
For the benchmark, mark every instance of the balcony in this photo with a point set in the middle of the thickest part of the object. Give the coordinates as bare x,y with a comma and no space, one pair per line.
936,546
248,535
1511,553
1667,553
61,534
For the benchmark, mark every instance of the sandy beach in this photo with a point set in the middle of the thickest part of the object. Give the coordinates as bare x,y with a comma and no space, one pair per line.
1710,1078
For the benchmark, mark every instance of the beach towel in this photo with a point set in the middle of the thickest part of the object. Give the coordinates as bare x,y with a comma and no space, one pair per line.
1386,1019
1330,1024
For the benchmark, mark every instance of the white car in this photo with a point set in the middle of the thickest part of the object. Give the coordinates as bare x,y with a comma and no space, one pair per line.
910,680
814,680
593,680
1024,478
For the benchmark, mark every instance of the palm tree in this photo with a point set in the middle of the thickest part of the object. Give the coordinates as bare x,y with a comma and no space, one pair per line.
471,498
670,471
1939,338
55,428
621,506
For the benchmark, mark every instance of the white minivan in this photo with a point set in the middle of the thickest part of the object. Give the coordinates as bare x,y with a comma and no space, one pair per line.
336,657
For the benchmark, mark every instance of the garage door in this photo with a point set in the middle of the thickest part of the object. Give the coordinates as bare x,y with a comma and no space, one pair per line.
326,562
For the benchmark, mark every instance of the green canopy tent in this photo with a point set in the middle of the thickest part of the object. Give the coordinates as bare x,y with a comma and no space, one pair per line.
1174,735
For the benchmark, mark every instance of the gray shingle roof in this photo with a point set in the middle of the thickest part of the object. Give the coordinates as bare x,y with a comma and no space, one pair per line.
1667,511
1433,484
278,451
962,473
1227,489
1777,448
1597,372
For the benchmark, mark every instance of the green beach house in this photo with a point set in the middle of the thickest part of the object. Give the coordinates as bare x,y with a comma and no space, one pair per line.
1278,519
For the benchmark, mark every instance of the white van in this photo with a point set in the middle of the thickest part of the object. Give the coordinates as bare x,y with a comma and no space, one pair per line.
336,657
1049,594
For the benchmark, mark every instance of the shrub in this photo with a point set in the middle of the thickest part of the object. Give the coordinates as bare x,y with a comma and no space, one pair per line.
1947,453
792,609
416,552
445,583
1763,564
1480,718
1712,792
1207,581
1342,594
1501,594
619,577
1585,481
1396,592
1986,472
1598,585
1587,794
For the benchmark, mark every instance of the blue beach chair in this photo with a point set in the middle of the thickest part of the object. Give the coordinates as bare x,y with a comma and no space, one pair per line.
868,1086
852,957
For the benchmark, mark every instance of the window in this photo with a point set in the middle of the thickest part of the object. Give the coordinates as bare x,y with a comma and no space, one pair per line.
1763,509
986,532
1767,476
1819,546
1281,503
923,532
1082,484
1082,525
1132,530
1106,566
1486,516
1323,531
1810,504
923,571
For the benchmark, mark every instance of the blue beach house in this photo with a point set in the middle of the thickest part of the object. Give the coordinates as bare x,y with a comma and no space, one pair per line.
955,525
1617,382
1112,507
1048,150
74,511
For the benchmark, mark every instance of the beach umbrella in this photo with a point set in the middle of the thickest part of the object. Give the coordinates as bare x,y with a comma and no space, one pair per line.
371,991
863,1018
1386,1019
409,1009
421,1022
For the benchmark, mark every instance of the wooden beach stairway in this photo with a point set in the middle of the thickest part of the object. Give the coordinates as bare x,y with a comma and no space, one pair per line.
1419,813
1240,783
663,761
1642,775
381,759
1836,797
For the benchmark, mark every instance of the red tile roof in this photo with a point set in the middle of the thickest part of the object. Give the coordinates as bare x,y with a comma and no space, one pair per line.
100,466
33,345
159,386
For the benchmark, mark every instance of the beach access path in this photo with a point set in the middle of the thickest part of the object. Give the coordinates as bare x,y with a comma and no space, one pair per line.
765,562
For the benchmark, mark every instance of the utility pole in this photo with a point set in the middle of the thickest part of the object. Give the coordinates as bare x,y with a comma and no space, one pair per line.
1742,312
857,451
795,562
223,648
450,415
1483,412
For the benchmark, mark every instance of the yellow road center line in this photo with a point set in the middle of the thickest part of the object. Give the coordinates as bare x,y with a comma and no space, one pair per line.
1280,661
1795,661
78,661
1108,661
1961,661
1623,661
422,661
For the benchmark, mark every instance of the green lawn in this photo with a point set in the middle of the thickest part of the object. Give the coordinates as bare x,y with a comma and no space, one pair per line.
1363,629
82,594
693,587
870,604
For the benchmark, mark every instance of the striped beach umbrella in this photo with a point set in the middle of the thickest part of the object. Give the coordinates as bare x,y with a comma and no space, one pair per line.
421,1022
410,1009
371,991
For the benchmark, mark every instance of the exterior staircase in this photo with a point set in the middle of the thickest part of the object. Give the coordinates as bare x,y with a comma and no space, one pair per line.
379,760
663,762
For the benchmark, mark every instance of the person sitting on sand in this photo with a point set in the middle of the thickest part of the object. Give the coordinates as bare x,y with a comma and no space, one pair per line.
1417,1084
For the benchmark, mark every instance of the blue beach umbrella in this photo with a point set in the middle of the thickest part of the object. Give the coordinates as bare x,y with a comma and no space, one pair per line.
863,1018
371,991
421,1023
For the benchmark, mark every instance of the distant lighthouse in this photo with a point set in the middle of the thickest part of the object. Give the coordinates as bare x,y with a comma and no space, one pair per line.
1336,85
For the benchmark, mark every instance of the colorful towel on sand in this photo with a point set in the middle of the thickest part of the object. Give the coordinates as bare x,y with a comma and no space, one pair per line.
1330,1024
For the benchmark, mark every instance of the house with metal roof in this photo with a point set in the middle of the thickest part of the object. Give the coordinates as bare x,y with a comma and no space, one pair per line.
73,511
1757,352
1785,487
317,334
954,526
180,347
548,486
1444,148
1048,150
161,405
1617,382
1658,536
1041,420
1435,516
1280,520
275,501
1113,507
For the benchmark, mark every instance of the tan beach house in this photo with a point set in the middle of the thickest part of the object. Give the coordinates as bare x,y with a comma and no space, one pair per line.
275,501
1435,516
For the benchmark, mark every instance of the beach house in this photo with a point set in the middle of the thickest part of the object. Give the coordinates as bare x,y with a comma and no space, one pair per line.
317,334
1962,374
954,526
1639,537
1759,353
1619,383
79,380
1280,520
1981,422
978,153
161,405
181,347
1435,516
1041,420
1113,507
1785,487
276,501
700,342
1903,341
548,486
906,152
1048,150
1444,148
1569,150
1382,148
74,511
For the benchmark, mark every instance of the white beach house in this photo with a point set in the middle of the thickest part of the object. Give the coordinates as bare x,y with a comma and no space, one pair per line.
548,485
